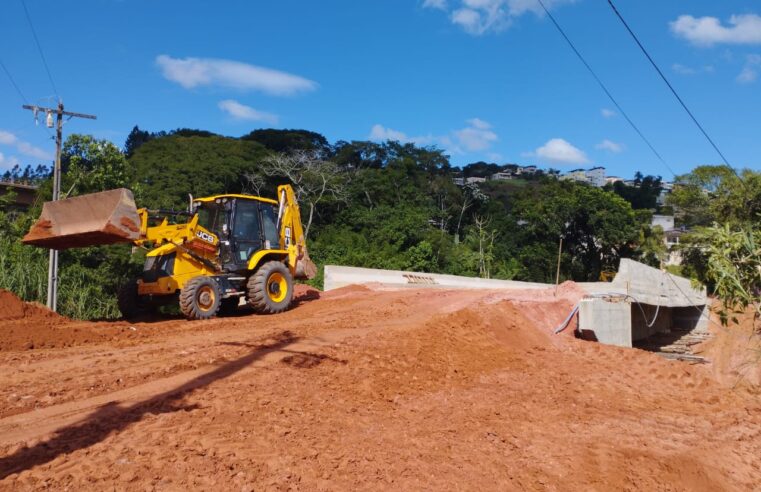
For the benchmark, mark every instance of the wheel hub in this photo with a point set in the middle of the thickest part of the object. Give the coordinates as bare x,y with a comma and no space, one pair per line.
277,287
206,298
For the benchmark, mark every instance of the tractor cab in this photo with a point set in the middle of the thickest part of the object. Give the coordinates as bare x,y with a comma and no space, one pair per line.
243,225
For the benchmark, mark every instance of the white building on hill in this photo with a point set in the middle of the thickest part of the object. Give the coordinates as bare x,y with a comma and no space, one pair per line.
665,221
596,176
501,176
527,170
575,175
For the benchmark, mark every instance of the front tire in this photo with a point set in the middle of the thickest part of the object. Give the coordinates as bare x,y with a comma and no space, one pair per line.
200,298
270,289
130,303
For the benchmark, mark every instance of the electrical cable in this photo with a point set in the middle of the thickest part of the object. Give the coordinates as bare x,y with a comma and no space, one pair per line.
39,47
610,295
604,87
673,91
562,326
13,82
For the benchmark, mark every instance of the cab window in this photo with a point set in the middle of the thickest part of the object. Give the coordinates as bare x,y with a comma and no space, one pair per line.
211,217
269,221
246,226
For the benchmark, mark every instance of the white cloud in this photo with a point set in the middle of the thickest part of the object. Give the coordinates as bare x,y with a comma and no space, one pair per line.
478,123
246,113
610,146
560,151
480,16
682,69
197,72
471,21
607,113
685,70
750,71
25,148
707,31
435,4
7,138
7,162
32,151
494,156
475,137
380,133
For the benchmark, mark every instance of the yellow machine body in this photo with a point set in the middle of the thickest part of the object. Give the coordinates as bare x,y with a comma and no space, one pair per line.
196,249
225,247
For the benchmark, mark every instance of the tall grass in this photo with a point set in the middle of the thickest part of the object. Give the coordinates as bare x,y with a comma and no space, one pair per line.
81,295
23,270
80,298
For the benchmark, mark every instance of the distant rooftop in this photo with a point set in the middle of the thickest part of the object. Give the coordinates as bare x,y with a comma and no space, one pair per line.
11,184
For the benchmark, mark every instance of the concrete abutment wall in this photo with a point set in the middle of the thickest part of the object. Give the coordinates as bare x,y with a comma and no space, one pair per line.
612,313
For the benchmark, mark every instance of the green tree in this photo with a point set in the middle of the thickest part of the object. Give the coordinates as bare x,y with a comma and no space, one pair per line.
135,139
711,194
597,227
642,195
285,141
732,266
92,165
313,178
169,168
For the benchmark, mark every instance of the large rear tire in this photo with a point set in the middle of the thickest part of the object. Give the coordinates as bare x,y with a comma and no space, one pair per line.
270,289
130,303
200,298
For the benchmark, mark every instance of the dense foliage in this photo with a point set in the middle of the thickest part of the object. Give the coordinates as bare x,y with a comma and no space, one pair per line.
168,168
381,205
89,277
723,249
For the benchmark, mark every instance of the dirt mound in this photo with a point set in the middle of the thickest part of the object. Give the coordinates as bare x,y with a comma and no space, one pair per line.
13,308
372,390
28,326
735,351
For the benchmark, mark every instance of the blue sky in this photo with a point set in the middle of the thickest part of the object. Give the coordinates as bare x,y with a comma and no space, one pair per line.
484,79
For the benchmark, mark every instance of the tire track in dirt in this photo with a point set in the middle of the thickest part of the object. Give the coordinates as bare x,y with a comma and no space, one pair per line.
32,426
366,389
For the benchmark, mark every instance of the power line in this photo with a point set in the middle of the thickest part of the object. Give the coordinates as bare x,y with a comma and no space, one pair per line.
13,82
604,88
673,91
39,47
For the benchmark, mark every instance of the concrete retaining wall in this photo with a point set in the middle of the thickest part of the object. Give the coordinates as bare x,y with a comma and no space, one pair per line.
606,321
618,321
649,285
341,276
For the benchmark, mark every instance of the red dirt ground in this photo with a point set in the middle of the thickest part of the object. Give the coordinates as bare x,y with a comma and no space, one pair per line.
362,388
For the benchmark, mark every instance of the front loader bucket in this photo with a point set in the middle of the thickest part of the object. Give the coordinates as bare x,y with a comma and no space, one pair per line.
107,217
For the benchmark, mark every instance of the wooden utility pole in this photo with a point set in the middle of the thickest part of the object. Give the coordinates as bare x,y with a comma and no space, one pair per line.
53,259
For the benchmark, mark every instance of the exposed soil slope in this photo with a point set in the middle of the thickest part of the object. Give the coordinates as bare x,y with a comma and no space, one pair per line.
369,389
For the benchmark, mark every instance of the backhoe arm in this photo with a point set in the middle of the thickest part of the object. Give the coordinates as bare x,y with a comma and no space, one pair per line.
292,234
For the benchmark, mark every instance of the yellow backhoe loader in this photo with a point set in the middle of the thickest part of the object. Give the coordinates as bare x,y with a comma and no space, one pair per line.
226,247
